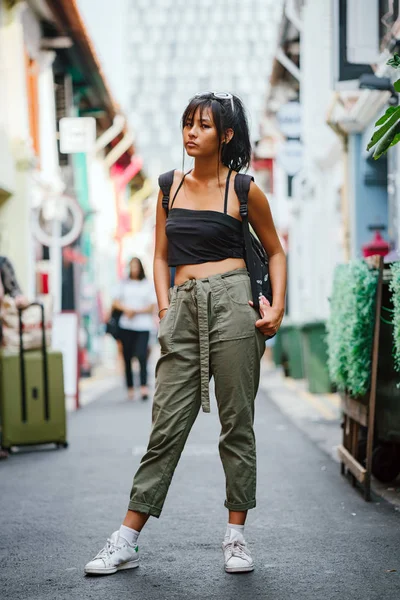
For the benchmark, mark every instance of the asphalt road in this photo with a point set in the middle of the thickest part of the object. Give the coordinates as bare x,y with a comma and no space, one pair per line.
312,535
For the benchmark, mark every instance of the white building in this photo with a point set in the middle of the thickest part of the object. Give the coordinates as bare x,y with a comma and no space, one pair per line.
338,194
177,49
20,137
49,70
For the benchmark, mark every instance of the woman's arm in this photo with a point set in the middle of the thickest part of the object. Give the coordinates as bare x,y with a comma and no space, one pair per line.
162,276
129,312
146,310
262,222
117,305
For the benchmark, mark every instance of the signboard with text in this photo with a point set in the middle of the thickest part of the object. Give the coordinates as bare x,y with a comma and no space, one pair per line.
77,134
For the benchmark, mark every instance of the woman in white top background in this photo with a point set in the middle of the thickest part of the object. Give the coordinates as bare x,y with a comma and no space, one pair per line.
136,300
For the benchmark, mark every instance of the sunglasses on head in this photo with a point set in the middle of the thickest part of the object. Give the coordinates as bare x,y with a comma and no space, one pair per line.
218,96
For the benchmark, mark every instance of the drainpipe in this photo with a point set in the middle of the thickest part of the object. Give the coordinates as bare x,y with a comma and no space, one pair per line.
345,204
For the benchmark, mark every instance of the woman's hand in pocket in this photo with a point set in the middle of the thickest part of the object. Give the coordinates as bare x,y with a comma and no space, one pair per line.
162,314
271,318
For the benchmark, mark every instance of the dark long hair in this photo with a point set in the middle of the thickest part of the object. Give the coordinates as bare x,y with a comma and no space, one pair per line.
142,274
237,154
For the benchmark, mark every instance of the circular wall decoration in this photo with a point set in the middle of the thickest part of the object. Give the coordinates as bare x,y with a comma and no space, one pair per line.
70,215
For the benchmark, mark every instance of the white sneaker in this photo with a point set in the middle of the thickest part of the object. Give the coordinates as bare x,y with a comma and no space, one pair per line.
237,555
116,555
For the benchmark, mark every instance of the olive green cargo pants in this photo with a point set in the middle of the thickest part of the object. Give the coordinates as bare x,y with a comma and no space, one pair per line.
209,330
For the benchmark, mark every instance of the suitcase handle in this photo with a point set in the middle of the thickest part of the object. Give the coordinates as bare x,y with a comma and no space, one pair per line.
22,364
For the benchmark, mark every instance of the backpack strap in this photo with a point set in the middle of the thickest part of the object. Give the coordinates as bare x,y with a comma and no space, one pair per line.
242,186
165,182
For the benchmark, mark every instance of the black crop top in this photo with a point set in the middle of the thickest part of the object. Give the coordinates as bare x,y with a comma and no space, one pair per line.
199,236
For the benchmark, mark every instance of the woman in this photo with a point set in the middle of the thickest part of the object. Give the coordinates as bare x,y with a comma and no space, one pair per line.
208,326
135,301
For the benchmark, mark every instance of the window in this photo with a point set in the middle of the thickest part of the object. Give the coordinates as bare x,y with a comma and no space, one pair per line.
347,74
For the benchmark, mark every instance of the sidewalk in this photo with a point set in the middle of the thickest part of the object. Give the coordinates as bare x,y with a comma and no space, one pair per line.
318,416
103,380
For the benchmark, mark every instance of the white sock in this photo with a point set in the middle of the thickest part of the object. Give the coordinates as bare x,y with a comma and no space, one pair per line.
129,535
231,528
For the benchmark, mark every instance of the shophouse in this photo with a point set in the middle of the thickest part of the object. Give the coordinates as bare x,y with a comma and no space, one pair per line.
50,71
337,193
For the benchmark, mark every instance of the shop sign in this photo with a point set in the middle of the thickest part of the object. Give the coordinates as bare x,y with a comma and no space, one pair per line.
77,134
289,119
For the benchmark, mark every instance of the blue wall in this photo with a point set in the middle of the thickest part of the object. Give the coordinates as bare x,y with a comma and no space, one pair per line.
367,193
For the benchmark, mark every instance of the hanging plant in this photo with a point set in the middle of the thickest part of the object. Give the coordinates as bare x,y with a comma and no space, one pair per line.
394,286
387,132
351,327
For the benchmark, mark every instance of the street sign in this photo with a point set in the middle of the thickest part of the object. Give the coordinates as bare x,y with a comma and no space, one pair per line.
289,119
77,134
290,156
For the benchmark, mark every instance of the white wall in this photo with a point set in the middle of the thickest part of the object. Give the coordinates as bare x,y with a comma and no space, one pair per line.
7,167
314,235
102,199
49,166
109,31
16,240
279,202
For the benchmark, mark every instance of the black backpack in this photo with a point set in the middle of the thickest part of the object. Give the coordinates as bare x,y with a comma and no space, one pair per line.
256,257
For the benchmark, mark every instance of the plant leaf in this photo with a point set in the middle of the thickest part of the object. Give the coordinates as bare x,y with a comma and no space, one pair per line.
387,114
394,62
396,140
396,85
385,127
387,140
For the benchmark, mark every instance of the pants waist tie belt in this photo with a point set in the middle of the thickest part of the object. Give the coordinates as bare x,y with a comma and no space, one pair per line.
199,292
199,289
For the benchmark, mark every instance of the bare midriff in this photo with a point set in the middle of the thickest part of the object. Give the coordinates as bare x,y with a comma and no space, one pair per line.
185,272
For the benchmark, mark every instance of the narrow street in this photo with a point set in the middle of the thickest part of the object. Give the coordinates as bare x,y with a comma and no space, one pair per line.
312,535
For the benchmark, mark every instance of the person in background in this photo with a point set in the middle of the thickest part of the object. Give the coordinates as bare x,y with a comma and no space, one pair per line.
135,299
9,285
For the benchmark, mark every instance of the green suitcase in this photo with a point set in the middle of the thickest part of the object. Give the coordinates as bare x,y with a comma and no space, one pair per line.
32,401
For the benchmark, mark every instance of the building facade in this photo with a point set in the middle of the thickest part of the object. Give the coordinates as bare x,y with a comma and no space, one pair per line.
50,71
336,193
